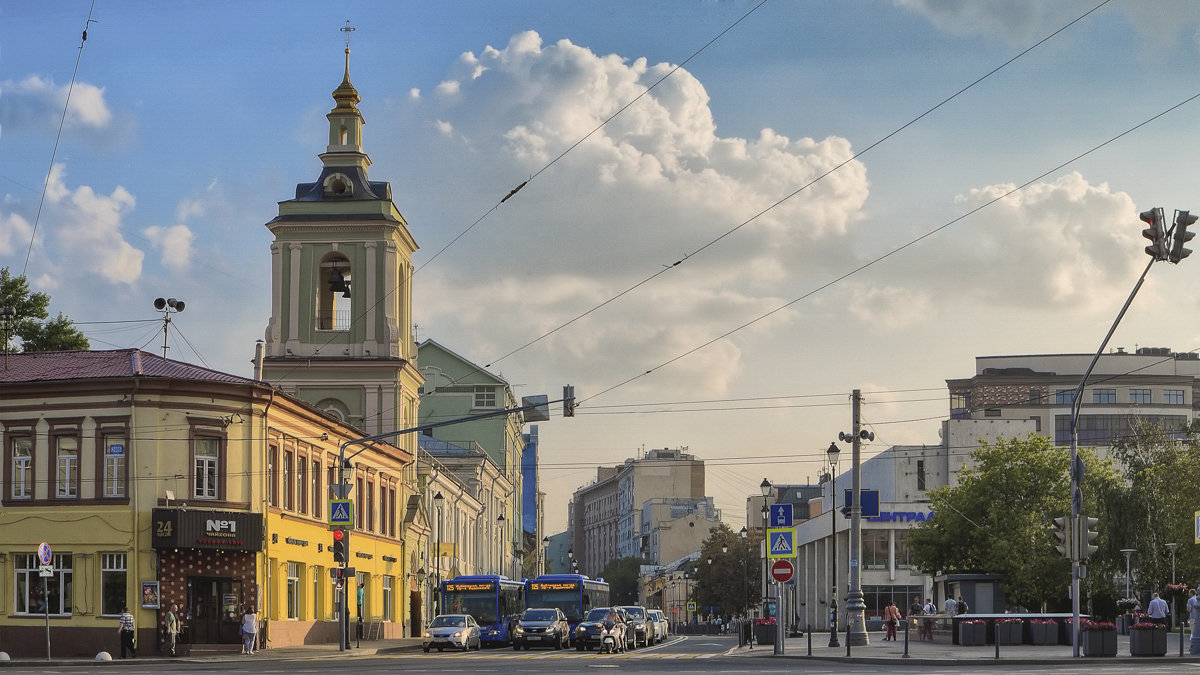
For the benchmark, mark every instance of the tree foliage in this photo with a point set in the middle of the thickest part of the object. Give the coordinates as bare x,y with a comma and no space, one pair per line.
1156,501
622,576
30,326
731,582
997,519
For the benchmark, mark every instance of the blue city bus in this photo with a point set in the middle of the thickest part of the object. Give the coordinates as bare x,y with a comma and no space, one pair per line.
574,594
494,601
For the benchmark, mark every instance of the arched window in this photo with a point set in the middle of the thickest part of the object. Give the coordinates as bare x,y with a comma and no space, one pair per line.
333,293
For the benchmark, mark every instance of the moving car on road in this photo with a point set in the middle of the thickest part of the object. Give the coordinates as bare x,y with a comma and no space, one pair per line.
658,620
459,631
587,633
642,632
544,626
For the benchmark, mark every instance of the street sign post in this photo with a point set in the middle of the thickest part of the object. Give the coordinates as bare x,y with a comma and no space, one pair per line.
782,571
341,513
782,542
781,515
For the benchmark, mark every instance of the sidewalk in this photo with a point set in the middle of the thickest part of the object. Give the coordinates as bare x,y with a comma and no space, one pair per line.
322,651
942,651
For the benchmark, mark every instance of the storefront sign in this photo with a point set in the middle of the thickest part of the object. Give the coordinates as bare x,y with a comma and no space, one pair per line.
902,517
177,528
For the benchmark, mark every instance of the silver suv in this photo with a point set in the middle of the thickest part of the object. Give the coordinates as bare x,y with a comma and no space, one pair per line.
643,632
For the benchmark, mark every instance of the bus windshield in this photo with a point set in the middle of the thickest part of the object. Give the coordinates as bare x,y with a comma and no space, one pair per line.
479,604
566,600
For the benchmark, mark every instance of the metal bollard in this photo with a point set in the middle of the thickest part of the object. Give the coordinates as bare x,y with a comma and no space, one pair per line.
810,640
847,638
906,624
996,637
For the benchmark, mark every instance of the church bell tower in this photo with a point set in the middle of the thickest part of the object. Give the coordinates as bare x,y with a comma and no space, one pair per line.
340,336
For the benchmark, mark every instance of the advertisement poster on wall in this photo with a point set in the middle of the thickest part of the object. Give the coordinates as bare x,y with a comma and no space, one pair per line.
150,595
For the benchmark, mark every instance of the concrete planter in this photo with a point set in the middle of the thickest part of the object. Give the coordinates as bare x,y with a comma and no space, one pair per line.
1151,642
1099,642
1043,633
1009,633
764,634
972,633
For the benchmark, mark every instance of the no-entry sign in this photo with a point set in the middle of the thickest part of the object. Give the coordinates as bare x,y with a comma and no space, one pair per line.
782,571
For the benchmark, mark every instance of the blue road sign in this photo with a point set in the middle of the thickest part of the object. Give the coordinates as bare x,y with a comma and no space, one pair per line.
781,543
870,503
341,513
781,515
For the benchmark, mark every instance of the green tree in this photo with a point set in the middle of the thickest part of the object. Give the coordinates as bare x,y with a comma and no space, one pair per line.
30,325
622,576
997,519
731,581
1157,502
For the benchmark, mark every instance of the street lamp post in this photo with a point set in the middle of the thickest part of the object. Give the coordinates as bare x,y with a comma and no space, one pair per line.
765,488
1128,552
1172,546
745,535
831,454
856,607
437,554
500,544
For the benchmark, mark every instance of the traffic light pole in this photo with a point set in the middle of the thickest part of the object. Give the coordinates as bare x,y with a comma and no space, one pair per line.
1077,464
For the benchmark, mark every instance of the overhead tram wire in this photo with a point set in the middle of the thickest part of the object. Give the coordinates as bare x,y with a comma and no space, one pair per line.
714,241
855,156
898,249
57,137
549,164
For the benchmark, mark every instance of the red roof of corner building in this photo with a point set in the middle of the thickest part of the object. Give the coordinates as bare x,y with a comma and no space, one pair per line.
115,363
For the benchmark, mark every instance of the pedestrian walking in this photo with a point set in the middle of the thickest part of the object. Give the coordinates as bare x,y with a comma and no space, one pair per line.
171,625
249,630
1157,610
127,632
891,617
927,624
960,607
1193,609
950,607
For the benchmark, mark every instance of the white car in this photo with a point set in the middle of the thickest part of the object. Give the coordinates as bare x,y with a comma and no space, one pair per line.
458,631
658,620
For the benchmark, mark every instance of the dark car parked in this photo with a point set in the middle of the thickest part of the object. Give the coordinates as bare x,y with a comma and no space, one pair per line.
542,627
643,633
587,633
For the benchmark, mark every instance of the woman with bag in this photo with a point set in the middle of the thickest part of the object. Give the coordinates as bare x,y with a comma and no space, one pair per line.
891,617
249,630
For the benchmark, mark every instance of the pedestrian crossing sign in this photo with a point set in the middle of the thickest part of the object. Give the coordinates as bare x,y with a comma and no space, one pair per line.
341,513
781,542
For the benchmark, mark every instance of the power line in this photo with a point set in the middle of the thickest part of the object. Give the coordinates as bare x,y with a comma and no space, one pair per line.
58,136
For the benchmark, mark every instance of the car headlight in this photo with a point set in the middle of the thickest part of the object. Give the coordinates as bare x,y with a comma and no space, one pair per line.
519,630
457,633
427,634
580,630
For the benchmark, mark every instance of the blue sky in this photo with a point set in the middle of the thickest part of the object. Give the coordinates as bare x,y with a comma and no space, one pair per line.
190,120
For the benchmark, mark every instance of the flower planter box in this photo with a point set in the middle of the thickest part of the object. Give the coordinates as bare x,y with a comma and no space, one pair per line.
1099,642
1008,633
1148,642
764,634
1043,633
970,634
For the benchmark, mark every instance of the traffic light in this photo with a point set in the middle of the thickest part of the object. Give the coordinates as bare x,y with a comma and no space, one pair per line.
340,545
569,400
1086,547
1182,220
1156,233
1061,529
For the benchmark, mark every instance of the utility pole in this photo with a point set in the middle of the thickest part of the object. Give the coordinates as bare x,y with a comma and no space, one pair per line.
855,606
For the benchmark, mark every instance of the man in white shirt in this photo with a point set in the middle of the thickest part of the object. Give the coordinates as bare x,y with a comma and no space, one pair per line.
1157,610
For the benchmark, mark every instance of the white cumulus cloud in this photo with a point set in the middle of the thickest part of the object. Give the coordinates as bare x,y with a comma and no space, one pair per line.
174,242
